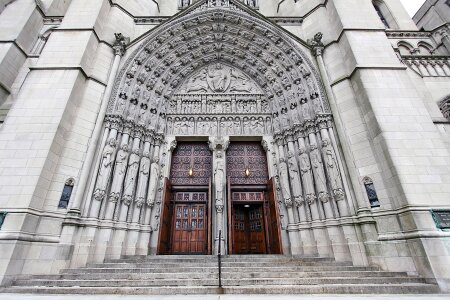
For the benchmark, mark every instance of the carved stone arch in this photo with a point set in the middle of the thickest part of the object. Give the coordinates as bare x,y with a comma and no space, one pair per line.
163,61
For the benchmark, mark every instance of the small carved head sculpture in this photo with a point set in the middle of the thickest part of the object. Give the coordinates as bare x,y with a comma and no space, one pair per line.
282,160
325,142
112,142
302,149
135,151
155,160
313,147
124,147
290,154
318,37
146,154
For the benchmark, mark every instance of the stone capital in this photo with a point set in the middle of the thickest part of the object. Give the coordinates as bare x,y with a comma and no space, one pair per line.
218,143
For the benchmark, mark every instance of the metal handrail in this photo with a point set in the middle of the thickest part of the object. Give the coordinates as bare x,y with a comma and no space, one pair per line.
219,258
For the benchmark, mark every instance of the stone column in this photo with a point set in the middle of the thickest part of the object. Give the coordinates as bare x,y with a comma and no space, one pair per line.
219,147
287,198
119,50
350,247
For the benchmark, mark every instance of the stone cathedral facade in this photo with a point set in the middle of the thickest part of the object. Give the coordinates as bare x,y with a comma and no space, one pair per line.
307,128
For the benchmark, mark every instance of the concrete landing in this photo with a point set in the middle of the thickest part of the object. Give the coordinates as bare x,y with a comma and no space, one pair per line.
224,297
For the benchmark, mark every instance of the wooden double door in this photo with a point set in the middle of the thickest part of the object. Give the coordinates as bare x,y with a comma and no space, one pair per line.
249,234
253,221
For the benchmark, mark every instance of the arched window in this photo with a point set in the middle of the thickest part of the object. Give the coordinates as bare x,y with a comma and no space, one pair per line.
371,192
444,106
385,15
66,193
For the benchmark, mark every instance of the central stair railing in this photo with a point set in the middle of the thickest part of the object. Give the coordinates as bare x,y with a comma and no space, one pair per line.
219,259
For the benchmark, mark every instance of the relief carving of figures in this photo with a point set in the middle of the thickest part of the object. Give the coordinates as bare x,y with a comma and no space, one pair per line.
144,170
284,120
198,83
219,180
132,110
284,182
130,179
307,176
240,83
119,173
153,183
104,171
332,168
276,124
142,114
319,176
219,78
294,175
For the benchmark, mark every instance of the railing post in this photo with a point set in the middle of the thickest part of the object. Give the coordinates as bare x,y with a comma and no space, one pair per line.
219,254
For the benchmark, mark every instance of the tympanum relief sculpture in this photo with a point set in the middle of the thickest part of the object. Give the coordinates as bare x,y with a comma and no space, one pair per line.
219,100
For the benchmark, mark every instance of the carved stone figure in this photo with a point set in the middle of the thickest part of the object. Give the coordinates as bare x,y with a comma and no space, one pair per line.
144,171
294,175
104,171
153,183
119,173
198,83
332,169
218,179
284,182
240,83
130,179
218,78
307,176
319,176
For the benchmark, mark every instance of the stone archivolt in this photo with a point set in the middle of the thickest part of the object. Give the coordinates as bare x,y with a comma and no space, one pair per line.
217,71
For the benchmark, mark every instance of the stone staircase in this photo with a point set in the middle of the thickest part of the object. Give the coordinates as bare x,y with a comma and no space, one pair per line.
249,274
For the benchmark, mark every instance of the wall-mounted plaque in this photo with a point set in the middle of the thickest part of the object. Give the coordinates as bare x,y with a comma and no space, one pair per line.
441,218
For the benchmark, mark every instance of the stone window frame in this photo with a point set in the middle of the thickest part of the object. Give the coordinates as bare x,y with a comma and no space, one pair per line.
371,192
444,106
385,14
66,194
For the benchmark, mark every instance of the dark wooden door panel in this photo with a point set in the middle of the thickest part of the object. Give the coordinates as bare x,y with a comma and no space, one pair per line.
274,231
248,230
164,231
190,224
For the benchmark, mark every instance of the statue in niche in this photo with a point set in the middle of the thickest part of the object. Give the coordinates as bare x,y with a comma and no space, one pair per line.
317,105
304,71
311,87
305,110
213,127
284,121
132,110
218,78
104,171
119,173
229,127
130,179
251,3
284,182
332,169
294,116
218,178
276,125
294,175
121,105
307,176
142,114
126,87
319,176
237,127
198,83
153,183
144,169
240,83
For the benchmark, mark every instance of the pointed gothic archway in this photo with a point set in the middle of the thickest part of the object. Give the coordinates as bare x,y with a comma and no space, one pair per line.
205,54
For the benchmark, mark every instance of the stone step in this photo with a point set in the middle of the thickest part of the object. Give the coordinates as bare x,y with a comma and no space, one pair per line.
215,263
226,282
232,258
404,288
127,268
209,275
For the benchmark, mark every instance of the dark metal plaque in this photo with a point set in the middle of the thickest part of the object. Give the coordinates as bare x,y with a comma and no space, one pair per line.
441,218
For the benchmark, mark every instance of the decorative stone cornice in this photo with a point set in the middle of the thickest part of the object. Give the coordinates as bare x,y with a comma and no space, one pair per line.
408,34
